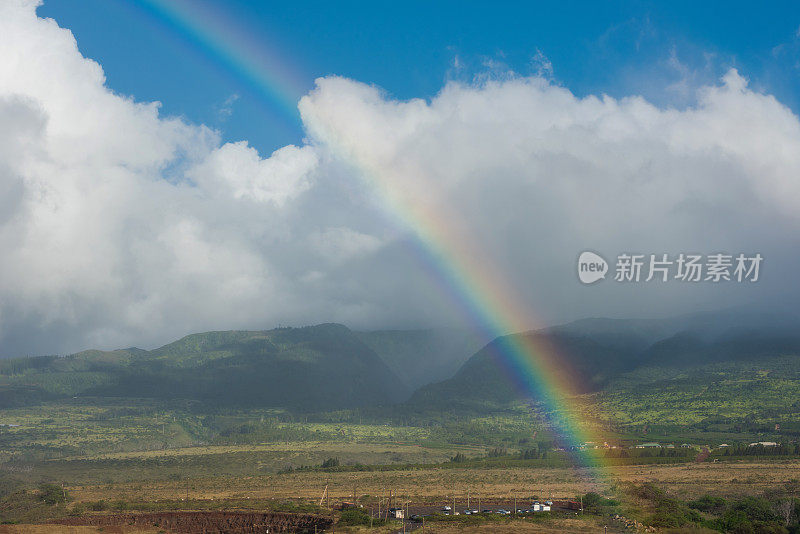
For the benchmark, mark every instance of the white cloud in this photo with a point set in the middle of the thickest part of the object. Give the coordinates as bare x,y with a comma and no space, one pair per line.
542,65
121,226
226,109
533,175
237,170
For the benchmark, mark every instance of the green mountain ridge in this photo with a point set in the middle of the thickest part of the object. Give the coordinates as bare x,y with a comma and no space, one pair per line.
309,368
635,367
484,377
742,378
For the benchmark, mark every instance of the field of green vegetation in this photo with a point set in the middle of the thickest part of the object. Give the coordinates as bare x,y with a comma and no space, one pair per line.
207,412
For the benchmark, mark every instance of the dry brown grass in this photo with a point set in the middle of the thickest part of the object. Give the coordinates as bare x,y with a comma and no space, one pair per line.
365,452
686,481
569,526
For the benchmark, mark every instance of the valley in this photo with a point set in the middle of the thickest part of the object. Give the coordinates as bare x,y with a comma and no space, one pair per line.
267,420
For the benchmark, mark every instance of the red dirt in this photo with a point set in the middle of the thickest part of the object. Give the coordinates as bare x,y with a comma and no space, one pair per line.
209,522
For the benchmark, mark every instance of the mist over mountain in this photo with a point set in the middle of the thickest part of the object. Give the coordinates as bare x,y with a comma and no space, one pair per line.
606,354
420,357
483,378
329,367
707,325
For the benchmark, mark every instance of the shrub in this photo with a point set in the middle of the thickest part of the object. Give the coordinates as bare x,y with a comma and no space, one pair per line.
78,508
596,503
98,506
52,493
357,516
708,504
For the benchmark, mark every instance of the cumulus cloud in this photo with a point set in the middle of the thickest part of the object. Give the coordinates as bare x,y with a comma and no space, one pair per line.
534,175
236,169
120,226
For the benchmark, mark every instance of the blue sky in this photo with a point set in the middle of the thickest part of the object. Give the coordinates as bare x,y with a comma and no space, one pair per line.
660,50
359,218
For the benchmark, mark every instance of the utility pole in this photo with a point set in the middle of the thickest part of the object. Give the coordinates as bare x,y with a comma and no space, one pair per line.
581,504
468,508
515,504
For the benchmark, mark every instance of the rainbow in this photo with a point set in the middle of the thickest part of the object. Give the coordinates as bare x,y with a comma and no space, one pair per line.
536,369
533,366
239,49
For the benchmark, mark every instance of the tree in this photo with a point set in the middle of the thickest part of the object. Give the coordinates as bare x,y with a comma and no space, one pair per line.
330,462
785,509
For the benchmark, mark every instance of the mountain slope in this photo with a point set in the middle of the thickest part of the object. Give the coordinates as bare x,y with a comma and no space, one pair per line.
420,357
311,368
483,379
691,372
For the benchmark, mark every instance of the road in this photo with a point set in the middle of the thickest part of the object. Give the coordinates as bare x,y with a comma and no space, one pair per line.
493,505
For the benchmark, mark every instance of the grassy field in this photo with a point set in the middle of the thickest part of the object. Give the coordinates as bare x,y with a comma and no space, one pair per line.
434,485
96,427
568,526
127,455
303,490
